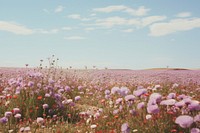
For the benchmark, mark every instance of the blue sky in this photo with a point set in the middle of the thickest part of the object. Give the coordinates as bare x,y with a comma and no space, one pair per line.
132,34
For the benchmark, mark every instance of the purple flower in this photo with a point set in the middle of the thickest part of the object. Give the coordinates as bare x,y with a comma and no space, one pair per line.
155,97
197,118
60,91
180,104
67,88
184,121
30,83
107,92
57,96
72,104
80,88
123,91
129,97
140,87
133,112
3,120
107,96
152,109
8,114
140,92
168,102
45,106
77,98
195,130
140,105
51,81
181,97
115,111
171,96
194,105
125,128
118,101
114,90
187,100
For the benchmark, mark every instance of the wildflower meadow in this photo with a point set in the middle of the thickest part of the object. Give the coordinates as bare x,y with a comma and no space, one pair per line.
56,100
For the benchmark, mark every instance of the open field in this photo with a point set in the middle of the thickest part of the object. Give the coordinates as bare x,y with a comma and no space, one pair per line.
99,101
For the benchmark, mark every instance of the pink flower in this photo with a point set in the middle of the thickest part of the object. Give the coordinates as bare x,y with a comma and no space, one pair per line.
18,116
40,120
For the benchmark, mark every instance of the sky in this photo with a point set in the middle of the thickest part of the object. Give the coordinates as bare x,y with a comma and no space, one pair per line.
118,34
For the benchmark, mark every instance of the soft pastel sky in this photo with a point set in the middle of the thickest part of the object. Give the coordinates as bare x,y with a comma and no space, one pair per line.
132,34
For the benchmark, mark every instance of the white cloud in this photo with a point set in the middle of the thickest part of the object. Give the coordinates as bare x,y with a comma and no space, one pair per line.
78,17
15,28
152,19
114,21
127,30
59,9
141,11
45,10
111,21
74,16
43,31
133,22
74,38
66,28
183,14
89,29
109,9
93,14
175,25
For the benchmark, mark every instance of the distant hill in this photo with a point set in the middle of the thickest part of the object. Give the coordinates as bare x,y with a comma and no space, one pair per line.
167,69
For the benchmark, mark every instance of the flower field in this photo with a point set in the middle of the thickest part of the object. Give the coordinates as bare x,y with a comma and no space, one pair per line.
56,100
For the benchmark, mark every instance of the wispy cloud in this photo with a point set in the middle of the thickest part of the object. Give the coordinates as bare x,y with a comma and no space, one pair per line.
120,21
127,30
141,11
78,17
15,28
67,28
74,38
89,29
175,25
59,9
43,31
46,11
110,22
74,16
109,9
183,14
93,14
152,19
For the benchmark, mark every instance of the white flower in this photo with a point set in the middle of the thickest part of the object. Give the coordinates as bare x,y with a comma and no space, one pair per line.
93,126
26,129
148,117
